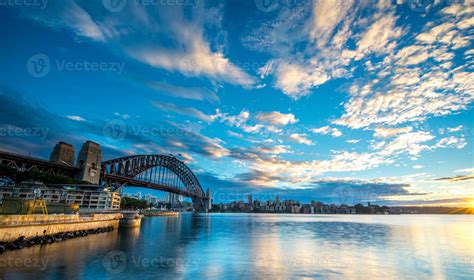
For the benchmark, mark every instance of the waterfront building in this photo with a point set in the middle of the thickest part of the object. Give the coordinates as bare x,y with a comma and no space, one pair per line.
90,198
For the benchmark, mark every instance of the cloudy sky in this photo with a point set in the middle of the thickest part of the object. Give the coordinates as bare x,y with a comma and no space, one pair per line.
338,101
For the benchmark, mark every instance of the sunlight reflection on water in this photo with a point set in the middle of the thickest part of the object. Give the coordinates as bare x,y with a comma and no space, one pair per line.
234,246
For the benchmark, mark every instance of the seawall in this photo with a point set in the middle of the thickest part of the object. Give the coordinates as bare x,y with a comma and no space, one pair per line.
13,227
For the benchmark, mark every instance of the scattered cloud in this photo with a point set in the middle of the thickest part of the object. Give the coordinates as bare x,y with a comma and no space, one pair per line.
301,139
455,129
192,93
186,111
76,118
327,130
382,132
276,118
456,178
451,142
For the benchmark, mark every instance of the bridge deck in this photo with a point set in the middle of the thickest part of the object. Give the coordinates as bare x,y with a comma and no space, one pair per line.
160,187
34,161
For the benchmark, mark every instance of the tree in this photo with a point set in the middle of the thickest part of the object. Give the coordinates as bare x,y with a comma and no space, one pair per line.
130,203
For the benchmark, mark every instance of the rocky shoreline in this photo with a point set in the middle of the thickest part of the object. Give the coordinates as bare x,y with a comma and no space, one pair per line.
23,242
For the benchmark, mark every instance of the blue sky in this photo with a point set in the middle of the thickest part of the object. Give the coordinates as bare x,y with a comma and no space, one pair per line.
339,101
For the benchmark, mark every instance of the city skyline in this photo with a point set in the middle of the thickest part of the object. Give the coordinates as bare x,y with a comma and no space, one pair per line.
374,102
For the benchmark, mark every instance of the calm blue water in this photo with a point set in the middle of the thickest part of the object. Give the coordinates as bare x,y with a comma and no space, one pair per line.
265,246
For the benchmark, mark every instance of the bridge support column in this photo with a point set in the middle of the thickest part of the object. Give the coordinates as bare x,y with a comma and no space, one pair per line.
89,161
200,205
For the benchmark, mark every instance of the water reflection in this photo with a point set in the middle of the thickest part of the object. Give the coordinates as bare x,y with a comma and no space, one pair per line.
235,246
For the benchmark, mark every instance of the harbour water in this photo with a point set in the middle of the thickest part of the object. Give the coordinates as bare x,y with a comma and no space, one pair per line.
265,246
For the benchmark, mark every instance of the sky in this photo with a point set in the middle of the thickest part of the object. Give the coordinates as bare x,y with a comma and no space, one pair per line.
329,100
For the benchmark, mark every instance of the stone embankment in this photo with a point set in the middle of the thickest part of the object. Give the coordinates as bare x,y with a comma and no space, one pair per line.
19,231
23,242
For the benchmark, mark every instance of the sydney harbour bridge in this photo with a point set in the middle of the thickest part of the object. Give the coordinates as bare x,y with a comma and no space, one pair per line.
159,172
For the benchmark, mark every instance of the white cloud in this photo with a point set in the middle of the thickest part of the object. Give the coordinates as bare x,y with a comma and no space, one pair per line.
455,129
296,79
278,149
380,36
276,118
192,93
385,132
123,116
76,118
234,134
301,139
451,142
197,60
186,111
186,50
466,170
327,15
411,143
327,130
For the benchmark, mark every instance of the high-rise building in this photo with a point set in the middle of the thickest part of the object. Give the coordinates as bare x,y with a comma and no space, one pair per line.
174,199
250,200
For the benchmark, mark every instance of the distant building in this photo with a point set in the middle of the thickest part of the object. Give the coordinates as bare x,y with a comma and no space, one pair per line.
174,199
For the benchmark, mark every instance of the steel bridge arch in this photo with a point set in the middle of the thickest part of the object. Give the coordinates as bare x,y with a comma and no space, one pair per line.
120,171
